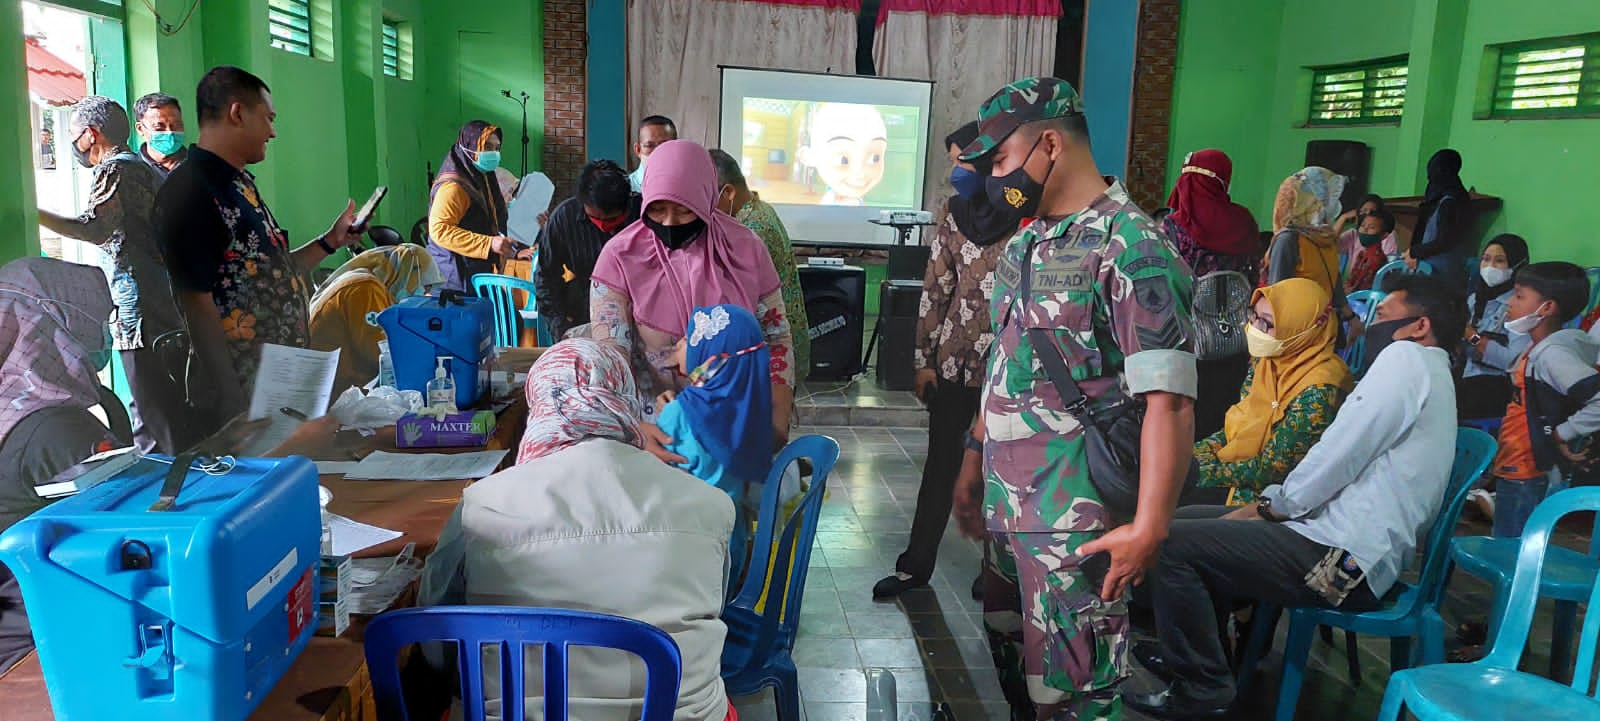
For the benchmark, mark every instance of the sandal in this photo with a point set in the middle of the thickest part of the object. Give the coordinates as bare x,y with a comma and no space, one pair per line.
1472,633
1467,654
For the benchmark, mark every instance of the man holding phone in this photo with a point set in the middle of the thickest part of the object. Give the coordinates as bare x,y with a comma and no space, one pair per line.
1093,277
238,283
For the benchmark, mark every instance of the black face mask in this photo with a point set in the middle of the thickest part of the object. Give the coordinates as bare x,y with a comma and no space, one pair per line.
676,236
1379,336
1017,193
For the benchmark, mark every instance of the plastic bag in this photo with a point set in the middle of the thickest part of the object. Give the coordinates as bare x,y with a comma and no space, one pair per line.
380,407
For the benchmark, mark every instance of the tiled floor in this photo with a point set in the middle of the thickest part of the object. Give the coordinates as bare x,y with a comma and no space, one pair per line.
932,638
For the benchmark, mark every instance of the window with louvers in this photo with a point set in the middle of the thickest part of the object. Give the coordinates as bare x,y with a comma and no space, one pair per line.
1373,92
289,22
391,48
1551,78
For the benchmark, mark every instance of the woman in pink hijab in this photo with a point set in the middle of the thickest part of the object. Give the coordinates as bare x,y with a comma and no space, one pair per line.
680,254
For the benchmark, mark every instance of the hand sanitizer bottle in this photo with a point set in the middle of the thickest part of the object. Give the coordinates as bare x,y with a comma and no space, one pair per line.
442,389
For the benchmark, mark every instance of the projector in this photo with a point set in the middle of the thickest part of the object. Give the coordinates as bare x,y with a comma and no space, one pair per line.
905,217
825,262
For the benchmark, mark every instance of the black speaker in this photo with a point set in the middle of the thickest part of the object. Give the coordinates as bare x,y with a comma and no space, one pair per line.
836,298
1349,158
908,262
898,302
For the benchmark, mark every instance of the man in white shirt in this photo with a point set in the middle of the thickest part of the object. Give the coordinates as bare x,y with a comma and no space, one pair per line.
1341,527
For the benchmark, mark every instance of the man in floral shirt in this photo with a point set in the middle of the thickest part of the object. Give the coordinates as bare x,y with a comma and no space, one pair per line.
1108,291
237,281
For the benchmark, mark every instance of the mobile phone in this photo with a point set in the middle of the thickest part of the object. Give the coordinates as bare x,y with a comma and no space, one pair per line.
1095,567
364,215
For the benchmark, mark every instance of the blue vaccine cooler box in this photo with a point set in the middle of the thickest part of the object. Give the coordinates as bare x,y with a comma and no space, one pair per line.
185,614
422,328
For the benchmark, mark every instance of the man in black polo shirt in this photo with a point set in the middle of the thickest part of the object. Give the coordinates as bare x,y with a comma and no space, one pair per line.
570,242
237,281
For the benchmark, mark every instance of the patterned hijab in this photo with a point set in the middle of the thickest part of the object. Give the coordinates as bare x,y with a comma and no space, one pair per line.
1303,320
405,270
48,342
728,401
1308,203
579,389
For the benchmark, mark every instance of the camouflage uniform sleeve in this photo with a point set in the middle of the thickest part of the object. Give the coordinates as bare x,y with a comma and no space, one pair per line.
1149,309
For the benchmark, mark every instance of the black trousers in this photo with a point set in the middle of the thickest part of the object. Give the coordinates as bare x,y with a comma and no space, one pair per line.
1205,565
160,417
950,413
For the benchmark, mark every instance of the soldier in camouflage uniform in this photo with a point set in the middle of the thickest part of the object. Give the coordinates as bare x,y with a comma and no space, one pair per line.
1113,295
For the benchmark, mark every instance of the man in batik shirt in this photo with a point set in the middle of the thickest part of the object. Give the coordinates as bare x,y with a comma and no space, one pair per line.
1112,296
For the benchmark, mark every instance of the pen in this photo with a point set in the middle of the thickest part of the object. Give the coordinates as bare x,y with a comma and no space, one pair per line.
292,413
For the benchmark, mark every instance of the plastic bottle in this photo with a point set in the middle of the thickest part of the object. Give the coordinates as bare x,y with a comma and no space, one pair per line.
442,389
324,495
385,365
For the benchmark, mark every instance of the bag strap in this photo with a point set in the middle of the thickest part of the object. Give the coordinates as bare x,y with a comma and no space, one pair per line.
1044,347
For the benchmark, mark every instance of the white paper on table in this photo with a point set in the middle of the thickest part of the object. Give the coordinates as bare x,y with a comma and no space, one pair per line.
290,378
534,194
350,536
382,465
335,468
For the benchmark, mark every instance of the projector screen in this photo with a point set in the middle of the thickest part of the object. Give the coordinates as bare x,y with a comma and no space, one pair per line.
829,152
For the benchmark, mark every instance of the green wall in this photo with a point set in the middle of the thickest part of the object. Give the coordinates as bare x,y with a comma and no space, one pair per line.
343,127
1243,84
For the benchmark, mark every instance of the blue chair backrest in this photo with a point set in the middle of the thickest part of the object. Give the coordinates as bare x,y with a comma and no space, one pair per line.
1594,286
509,629
1398,266
785,585
1357,346
1474,451
507,316
1513,636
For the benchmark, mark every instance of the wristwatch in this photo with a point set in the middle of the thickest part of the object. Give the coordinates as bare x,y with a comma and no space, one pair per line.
323,242
1475,339
1264,509
973,444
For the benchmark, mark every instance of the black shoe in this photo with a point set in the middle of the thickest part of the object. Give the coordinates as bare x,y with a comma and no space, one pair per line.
892,586
977,588
1172,705
1148,654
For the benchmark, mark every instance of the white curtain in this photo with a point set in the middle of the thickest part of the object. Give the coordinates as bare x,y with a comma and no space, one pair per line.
968,58
676,46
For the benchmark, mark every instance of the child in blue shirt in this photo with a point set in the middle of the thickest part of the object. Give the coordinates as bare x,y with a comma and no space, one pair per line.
722,421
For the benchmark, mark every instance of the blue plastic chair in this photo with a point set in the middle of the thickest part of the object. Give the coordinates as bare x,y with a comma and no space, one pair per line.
509,320
1594,287
1493,688
763,619
1371,298
509,629
1398,266
1409,611
1567,578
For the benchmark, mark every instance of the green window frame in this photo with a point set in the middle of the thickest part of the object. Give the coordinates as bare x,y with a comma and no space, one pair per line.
1366,93
289,23
391,48
1547,78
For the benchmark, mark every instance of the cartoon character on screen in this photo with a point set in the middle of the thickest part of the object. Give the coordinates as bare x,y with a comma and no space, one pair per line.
846,144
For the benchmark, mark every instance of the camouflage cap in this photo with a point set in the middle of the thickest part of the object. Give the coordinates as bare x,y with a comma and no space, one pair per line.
1022,102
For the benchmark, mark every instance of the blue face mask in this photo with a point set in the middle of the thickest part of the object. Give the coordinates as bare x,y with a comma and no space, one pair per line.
966,182
487,161
166,143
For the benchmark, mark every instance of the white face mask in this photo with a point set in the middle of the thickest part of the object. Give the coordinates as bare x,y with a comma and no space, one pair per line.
1525,324
1494,276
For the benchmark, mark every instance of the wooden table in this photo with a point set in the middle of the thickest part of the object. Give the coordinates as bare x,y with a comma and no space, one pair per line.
329,681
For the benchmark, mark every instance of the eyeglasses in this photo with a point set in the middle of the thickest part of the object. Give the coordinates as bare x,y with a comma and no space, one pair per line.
1261,324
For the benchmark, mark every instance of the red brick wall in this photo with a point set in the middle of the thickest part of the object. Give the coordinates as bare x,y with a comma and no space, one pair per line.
565,90
1152,102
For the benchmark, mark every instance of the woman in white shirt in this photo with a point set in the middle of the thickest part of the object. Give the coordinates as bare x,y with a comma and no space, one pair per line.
588,521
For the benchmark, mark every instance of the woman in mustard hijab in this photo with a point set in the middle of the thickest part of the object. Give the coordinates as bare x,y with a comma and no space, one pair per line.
1295,384
344,311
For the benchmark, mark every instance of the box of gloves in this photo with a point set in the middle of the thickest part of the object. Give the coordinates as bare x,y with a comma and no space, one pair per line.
464,429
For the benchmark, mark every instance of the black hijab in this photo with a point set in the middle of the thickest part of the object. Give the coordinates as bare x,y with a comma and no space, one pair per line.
1444,179
979,221
458,168
1516,249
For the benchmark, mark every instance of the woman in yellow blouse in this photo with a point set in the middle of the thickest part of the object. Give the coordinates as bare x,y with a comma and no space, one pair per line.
344,311
467,212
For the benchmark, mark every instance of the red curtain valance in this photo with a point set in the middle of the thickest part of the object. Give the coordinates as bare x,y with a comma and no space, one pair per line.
851,5
1002,8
